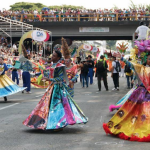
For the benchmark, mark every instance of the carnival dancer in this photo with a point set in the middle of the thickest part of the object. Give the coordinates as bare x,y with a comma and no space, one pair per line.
56,109
26,66
8,87
71,68
132,120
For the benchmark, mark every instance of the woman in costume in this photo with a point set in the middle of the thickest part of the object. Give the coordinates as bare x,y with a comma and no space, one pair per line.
56,109
26,66
7,86
71,69
132,120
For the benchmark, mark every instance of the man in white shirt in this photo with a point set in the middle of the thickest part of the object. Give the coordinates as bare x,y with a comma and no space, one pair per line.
115,73
141,31
14,46
35,15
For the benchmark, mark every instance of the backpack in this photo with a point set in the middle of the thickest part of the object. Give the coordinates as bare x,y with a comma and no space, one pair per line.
127,69
118,67
100,66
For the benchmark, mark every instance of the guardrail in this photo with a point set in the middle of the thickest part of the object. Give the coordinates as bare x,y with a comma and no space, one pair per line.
78,17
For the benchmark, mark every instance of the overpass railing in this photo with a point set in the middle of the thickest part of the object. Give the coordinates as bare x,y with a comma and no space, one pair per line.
78,17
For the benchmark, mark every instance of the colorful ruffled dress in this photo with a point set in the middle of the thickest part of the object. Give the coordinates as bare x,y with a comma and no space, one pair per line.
56,109
132,120
7,86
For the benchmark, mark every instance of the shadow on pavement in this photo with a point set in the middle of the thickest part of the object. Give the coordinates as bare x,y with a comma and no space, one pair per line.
70,130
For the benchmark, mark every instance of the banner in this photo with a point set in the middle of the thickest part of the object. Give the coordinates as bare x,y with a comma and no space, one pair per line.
87,47
35,35
93,29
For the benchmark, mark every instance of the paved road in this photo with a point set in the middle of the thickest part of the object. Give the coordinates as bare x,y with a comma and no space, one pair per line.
15,136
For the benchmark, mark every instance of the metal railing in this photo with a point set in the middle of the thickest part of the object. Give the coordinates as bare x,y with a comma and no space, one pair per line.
78,17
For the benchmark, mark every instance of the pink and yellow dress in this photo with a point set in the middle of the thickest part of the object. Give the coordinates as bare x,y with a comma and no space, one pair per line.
132,120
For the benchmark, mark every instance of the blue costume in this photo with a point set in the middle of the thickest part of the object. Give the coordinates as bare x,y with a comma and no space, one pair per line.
26,67
7,86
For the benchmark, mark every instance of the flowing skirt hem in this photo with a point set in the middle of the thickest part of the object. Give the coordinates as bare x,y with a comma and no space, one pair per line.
125,137
32,127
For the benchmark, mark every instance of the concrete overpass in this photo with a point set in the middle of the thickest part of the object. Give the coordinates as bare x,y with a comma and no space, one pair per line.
84,30
90,30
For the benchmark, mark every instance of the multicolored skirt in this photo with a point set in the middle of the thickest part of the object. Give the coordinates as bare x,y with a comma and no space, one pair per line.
55,110
132,121
8,87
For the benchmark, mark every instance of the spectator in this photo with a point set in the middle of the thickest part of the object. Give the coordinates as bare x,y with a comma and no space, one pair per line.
35,14
91,67
121,74
141,31
115,73
84,72
101,71
129,75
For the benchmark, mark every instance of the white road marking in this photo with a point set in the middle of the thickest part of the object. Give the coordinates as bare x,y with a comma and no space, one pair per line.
39,95
8,106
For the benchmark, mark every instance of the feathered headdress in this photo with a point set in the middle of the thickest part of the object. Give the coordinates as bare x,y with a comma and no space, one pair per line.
65,49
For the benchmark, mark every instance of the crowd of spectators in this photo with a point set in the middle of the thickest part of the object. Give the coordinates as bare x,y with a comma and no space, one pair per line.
85,14
7,51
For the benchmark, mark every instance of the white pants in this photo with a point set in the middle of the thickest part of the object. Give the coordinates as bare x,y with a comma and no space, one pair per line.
121,73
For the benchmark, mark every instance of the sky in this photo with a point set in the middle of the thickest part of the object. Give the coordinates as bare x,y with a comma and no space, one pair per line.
93,4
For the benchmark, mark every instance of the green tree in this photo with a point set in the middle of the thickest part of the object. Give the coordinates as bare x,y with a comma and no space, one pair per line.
111,44
27,6
39,6
132,5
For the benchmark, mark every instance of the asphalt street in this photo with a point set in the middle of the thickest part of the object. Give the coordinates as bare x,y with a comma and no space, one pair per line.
91,136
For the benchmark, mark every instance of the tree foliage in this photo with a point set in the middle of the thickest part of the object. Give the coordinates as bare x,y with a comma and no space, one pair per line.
39,6
111,44
26,6
134,6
